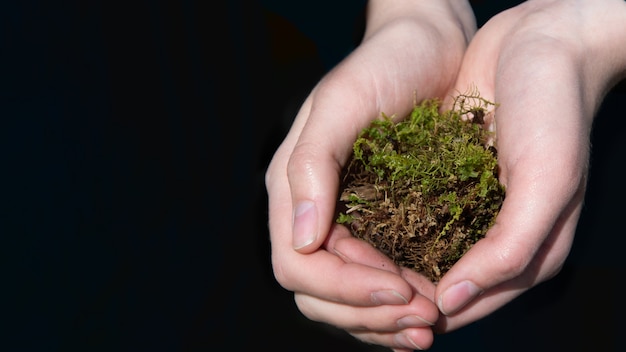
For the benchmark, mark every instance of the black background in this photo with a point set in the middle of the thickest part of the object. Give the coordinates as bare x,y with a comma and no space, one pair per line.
134,138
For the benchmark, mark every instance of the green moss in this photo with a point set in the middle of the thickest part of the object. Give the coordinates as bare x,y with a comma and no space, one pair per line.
424,189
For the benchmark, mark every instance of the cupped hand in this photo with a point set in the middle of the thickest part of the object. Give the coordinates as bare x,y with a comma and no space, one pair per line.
410,51
547,64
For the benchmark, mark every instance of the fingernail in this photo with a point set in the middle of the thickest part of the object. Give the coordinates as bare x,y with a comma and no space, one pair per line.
457,296
304,224
404,340
388,297
413,321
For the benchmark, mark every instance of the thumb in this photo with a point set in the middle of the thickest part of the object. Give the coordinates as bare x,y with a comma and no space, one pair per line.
527,245
329,121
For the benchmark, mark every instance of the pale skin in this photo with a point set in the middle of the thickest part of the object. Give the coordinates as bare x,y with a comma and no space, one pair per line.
548,64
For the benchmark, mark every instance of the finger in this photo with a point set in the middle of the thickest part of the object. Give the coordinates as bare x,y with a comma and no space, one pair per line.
316,162
420,312
420,283
405,341
542,154
354,250
327,276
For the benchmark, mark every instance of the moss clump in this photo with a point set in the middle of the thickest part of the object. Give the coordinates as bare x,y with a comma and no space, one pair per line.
423,190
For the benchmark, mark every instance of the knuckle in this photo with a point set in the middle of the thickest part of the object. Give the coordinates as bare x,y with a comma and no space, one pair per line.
302,159
280,274
512,263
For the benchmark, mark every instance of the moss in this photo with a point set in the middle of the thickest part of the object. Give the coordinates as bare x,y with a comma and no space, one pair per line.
424,189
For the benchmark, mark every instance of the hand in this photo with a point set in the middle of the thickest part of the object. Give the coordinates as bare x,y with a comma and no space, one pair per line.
411,51
548,65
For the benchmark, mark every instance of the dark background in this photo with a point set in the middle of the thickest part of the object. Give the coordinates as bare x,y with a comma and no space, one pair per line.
134,138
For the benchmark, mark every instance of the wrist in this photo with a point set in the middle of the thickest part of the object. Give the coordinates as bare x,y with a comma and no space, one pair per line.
606,33
443,14
591,32
600,30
